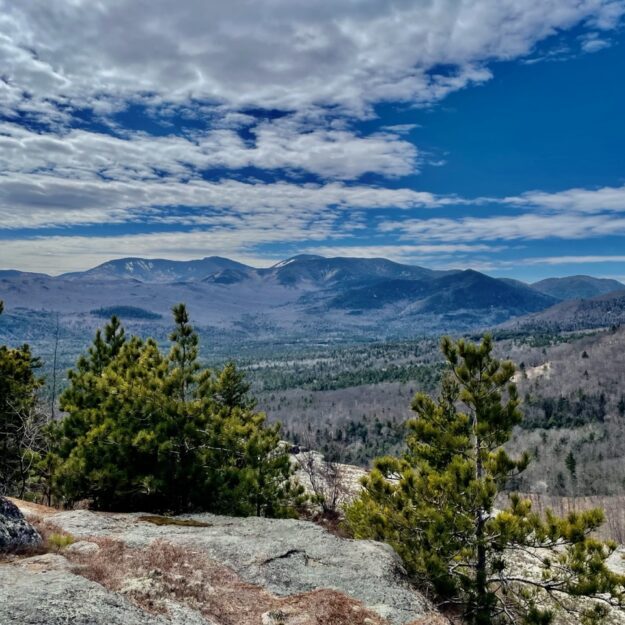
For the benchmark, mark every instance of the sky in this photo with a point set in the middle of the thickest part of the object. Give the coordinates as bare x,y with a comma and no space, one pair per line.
446,133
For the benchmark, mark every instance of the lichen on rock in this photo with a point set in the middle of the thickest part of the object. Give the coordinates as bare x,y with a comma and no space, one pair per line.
16,533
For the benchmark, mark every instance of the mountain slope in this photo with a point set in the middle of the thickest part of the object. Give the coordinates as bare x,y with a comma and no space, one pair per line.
474,290
326,272
577,287
462,290
582,314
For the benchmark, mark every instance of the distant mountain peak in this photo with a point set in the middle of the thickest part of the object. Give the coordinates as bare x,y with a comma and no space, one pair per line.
297,258
158,269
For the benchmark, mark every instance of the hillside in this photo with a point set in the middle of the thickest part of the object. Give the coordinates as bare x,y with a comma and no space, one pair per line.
597,312
577,287
443,294
351,402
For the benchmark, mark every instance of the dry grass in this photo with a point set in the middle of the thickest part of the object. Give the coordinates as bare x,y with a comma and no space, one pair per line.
54,539
30,508
163,571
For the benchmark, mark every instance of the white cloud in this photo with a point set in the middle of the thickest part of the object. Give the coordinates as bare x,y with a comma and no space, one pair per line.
593,42
422,253
59,254
571,214
276,53
329,153
528,226
326,61
242,216
39,200
573,260
604,199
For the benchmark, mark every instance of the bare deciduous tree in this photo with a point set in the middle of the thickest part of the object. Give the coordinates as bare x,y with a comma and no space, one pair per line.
326,478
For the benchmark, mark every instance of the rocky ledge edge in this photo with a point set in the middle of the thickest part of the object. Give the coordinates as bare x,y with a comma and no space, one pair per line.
293,568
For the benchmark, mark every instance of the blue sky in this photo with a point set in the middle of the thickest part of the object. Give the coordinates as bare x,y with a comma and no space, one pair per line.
484,133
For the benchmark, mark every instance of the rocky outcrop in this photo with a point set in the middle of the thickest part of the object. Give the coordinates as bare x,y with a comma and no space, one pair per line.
43,591
284,557
16,534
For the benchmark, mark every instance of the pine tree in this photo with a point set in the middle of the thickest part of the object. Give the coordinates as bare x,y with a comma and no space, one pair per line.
148,431
90,367
436,506
19,386
183,355
229,389
571,465
251,472
108,445
81,401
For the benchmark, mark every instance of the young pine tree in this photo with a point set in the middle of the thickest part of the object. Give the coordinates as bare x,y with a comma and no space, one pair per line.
108,445
149,431
182,429
250,469
104,349
436,507
183,356
229,389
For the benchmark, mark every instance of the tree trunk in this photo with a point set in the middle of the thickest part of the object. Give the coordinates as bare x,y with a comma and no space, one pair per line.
481,609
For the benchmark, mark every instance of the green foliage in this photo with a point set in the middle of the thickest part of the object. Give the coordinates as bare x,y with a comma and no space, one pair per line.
229,389
435,506
323,378
126,312
151,431
56,542
19,388
580,408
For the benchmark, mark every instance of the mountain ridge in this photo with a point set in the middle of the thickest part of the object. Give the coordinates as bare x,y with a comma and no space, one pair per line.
577,287
156,269
304,296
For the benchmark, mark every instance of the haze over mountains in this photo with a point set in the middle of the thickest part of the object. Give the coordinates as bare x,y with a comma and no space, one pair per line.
304,296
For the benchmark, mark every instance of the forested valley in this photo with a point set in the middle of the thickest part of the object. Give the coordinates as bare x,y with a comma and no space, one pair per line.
459,447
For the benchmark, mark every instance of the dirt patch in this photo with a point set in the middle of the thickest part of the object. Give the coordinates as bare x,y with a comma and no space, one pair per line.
29,508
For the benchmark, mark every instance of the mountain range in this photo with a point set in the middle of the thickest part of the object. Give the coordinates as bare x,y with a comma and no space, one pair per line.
303,297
